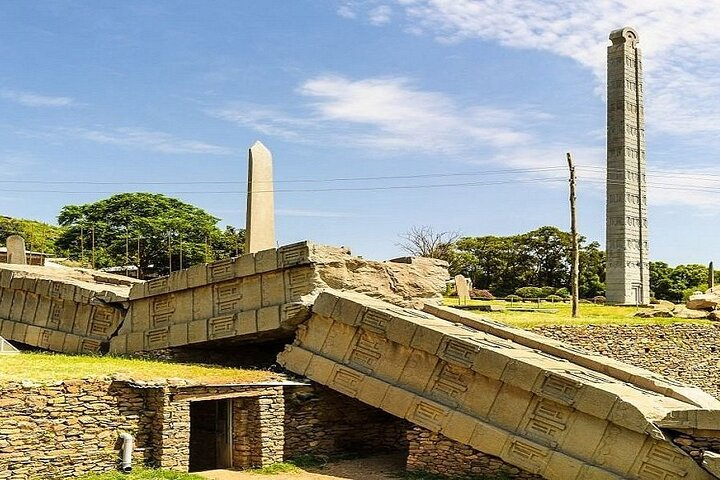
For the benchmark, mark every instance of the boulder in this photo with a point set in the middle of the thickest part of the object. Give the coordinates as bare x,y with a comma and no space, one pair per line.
703,301
683,312
654,313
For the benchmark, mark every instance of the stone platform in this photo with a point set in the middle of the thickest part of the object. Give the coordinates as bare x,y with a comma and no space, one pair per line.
545,407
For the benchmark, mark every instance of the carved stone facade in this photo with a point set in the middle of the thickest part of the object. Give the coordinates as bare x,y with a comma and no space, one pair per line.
626,216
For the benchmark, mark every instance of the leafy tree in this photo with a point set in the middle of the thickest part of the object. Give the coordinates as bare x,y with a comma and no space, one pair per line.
38,236
539,258
155,226
674,284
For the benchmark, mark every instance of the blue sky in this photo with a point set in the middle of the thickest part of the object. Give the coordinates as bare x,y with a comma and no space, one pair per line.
99,97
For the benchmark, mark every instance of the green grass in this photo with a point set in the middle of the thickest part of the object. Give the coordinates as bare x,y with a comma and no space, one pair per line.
590,314
51,367
421,475
277,468
142,474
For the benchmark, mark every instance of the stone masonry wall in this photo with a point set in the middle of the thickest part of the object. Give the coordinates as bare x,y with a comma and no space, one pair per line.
681,351
320,421
258,431
436,454
66,429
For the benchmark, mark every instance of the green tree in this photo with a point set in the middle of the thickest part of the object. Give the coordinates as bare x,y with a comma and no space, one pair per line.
160,227
38,236
539,258
674,283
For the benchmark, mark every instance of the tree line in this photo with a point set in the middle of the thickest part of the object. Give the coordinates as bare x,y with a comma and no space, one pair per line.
541,259
151,231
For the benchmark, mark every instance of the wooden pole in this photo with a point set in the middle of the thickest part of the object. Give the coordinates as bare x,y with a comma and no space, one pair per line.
170,251
575,266
82,246
93,246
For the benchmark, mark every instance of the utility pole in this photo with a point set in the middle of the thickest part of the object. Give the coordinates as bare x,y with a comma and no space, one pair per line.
170,250
82,246
181,252
93,247
138,256
127,253
575,266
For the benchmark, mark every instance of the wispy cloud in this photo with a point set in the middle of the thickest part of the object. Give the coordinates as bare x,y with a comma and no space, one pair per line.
380,15
297,212
131,137
680,41
385,114
30,99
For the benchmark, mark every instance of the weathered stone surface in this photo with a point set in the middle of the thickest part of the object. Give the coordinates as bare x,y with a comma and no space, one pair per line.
703,301
16,250
260,214
681,311
502,393
6,348
462,289
262,295
628,276
61,309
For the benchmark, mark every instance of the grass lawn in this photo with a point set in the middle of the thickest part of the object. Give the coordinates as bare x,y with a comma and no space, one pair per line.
558,313
48,367
142,474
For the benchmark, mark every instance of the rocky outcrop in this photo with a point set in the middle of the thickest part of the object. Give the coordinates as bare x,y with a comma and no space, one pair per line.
703,301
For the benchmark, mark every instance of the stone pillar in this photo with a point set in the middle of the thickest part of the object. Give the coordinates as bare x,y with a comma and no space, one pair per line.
260,215
16,250
628,272
174,442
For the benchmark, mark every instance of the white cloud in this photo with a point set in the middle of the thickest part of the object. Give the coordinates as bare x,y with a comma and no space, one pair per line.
380,15
30,99
346,11
386,114
134,138
680,41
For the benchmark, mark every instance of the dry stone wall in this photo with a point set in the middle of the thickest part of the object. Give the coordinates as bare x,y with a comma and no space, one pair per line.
434,453
681,351
67,429
320,421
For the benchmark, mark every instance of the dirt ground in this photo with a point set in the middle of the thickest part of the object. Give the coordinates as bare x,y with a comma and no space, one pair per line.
372,468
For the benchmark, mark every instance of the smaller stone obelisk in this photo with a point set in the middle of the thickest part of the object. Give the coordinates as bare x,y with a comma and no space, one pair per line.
16,250
260,215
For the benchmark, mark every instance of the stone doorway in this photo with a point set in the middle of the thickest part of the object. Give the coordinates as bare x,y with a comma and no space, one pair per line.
210,435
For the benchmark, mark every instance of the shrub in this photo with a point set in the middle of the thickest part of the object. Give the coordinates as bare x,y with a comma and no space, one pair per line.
482,294
599,300
554,298
530,292
547,291
563,292
513,298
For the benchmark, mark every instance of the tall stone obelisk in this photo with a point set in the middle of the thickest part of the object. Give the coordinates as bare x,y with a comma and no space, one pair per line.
628,276
260,214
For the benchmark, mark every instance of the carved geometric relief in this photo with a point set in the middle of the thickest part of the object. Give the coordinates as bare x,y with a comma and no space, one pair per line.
101,321
228,296
366,353
44,339
428,414
157,338
346,381
220,327
89,346
451,381
559,388
299,283
548,420
528,456
161,310
375,321
662,463
294,255
56,312
157,285
220,270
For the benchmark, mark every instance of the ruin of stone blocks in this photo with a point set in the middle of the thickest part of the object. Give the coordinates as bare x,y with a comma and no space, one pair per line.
537,410
16,253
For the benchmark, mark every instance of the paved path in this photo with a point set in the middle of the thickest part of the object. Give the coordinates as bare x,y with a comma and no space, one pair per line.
372,468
